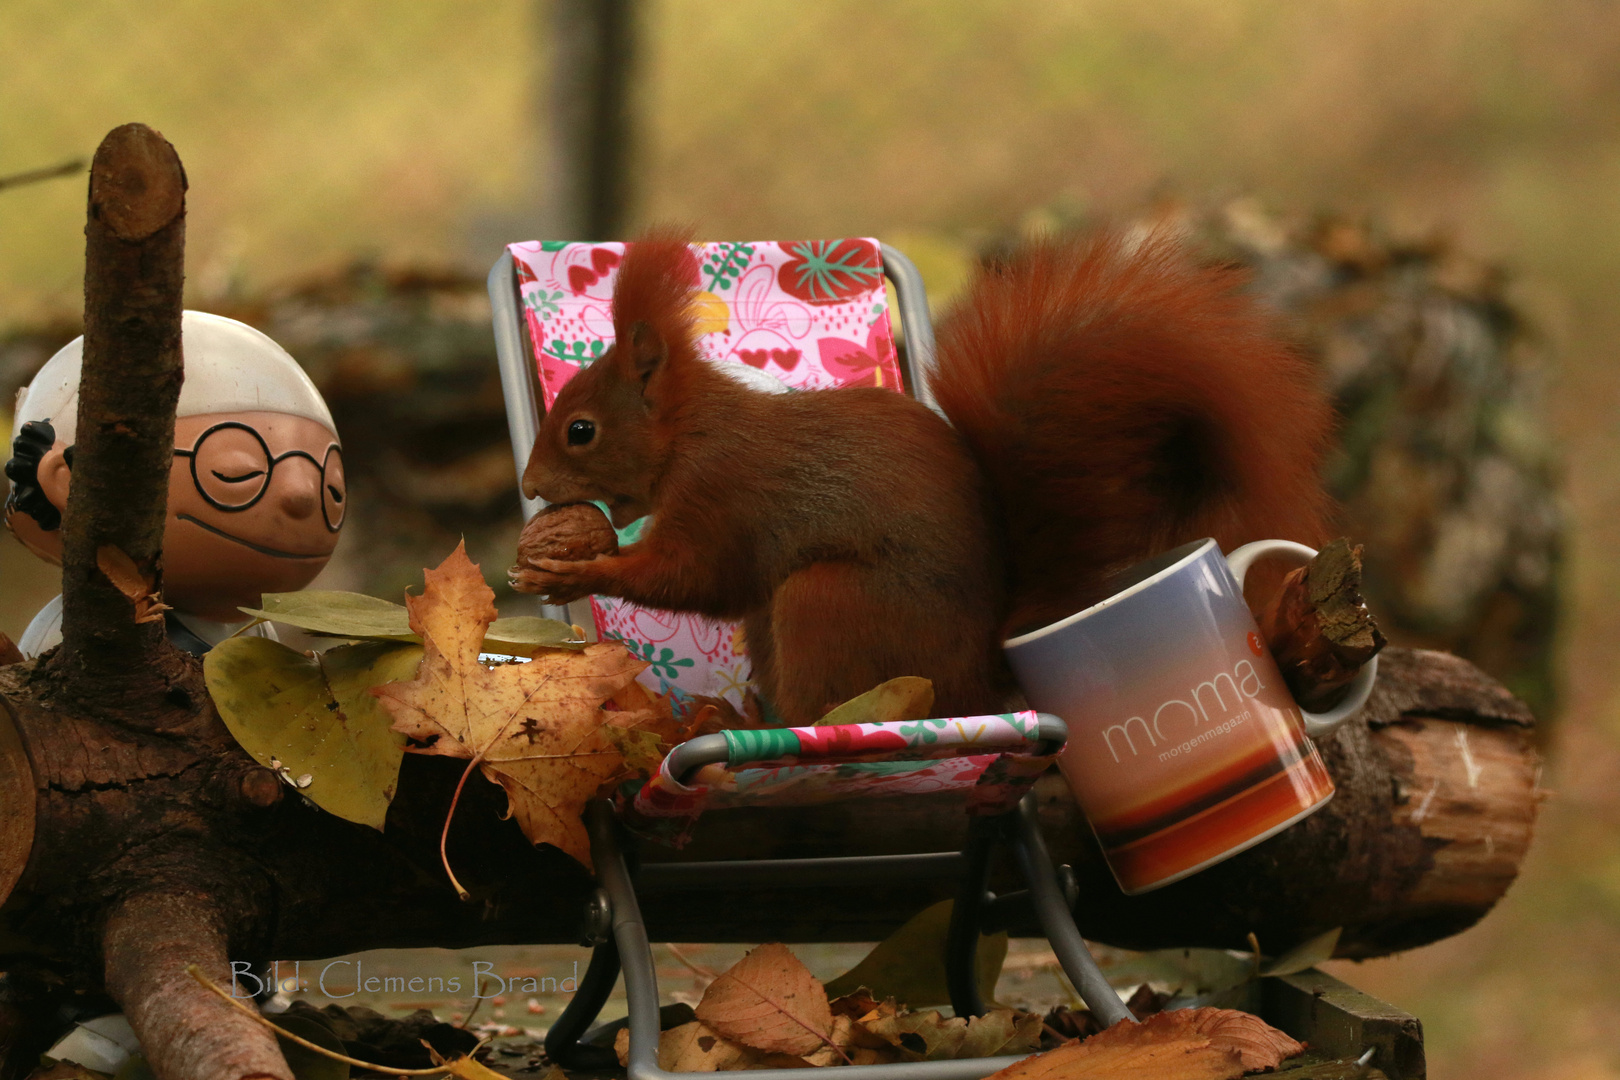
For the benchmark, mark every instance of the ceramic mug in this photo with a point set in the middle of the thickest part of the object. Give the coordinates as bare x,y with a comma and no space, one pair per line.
1185,746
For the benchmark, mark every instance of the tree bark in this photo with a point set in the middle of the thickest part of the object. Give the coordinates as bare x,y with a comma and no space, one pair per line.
134,274
149,941
1319,629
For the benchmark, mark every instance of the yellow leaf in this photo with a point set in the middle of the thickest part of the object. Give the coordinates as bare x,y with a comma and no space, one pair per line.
468,1069
906,698
316,717
642,750
533,728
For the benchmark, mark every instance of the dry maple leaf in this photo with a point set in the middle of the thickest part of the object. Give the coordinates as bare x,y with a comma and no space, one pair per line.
127,578
770,1001
534,728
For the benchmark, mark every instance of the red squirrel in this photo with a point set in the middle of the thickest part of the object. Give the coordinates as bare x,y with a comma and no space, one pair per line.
1108,398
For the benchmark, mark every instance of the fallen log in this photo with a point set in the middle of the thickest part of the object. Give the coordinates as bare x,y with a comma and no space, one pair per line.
1436,803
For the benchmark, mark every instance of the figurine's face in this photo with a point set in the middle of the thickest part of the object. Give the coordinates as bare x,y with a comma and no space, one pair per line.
256,500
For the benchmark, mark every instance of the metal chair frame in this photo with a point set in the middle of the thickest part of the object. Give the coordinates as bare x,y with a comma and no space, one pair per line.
613,920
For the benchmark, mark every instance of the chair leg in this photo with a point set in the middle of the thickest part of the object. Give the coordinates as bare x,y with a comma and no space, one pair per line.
962,940
630,935
562,1041
1058,921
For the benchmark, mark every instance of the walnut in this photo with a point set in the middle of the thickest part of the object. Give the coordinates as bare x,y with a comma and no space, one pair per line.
572,532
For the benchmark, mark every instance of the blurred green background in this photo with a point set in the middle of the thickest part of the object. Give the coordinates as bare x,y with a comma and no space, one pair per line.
415,134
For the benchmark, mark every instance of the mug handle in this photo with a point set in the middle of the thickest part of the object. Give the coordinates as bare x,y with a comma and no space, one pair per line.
1360,688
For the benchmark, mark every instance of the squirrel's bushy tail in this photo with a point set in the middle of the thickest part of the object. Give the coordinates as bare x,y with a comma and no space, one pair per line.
1123,399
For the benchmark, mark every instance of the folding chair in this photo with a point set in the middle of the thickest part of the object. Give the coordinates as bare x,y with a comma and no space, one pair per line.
809,314
790,315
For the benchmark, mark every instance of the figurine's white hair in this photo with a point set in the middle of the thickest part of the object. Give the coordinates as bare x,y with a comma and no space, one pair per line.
230,367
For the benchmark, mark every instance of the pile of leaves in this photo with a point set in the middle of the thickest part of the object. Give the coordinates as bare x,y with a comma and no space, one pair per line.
442,675
768,1011
554,731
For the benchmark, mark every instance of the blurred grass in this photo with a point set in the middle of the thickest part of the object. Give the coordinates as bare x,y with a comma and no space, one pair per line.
315,131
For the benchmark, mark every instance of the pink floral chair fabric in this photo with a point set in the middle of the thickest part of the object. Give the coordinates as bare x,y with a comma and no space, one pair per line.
793,315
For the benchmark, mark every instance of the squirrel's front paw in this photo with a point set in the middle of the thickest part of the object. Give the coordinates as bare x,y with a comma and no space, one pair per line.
559,581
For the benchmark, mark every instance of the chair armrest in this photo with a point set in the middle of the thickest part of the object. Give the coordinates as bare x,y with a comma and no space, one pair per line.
1028,733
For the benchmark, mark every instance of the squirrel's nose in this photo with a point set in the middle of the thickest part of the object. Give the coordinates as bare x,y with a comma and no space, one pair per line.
531,481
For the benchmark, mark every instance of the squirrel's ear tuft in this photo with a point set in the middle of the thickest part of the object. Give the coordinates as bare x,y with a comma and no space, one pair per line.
652,299
646,350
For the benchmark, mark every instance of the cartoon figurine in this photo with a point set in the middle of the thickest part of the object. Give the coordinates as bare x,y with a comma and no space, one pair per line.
256,492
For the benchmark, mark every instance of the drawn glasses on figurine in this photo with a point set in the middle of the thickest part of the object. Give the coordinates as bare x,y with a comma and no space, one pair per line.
231,466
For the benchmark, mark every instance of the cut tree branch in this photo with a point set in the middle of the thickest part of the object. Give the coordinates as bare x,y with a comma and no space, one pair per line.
1319,629
185,1030
133,276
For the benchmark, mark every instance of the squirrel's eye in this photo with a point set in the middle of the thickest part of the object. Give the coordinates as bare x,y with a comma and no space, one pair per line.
581,432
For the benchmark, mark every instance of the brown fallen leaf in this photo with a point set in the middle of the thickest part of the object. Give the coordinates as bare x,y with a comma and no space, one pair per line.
769,1000
1187,1044
9,653
534,728
127,578
927,1035
853,1043
861,1003
1147,1056
694,1047
1260,1045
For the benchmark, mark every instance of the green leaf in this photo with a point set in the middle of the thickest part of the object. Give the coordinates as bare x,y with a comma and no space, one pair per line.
1188,972
909,965
315,717
907,698
1307,954
366,618
520,635
338,614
